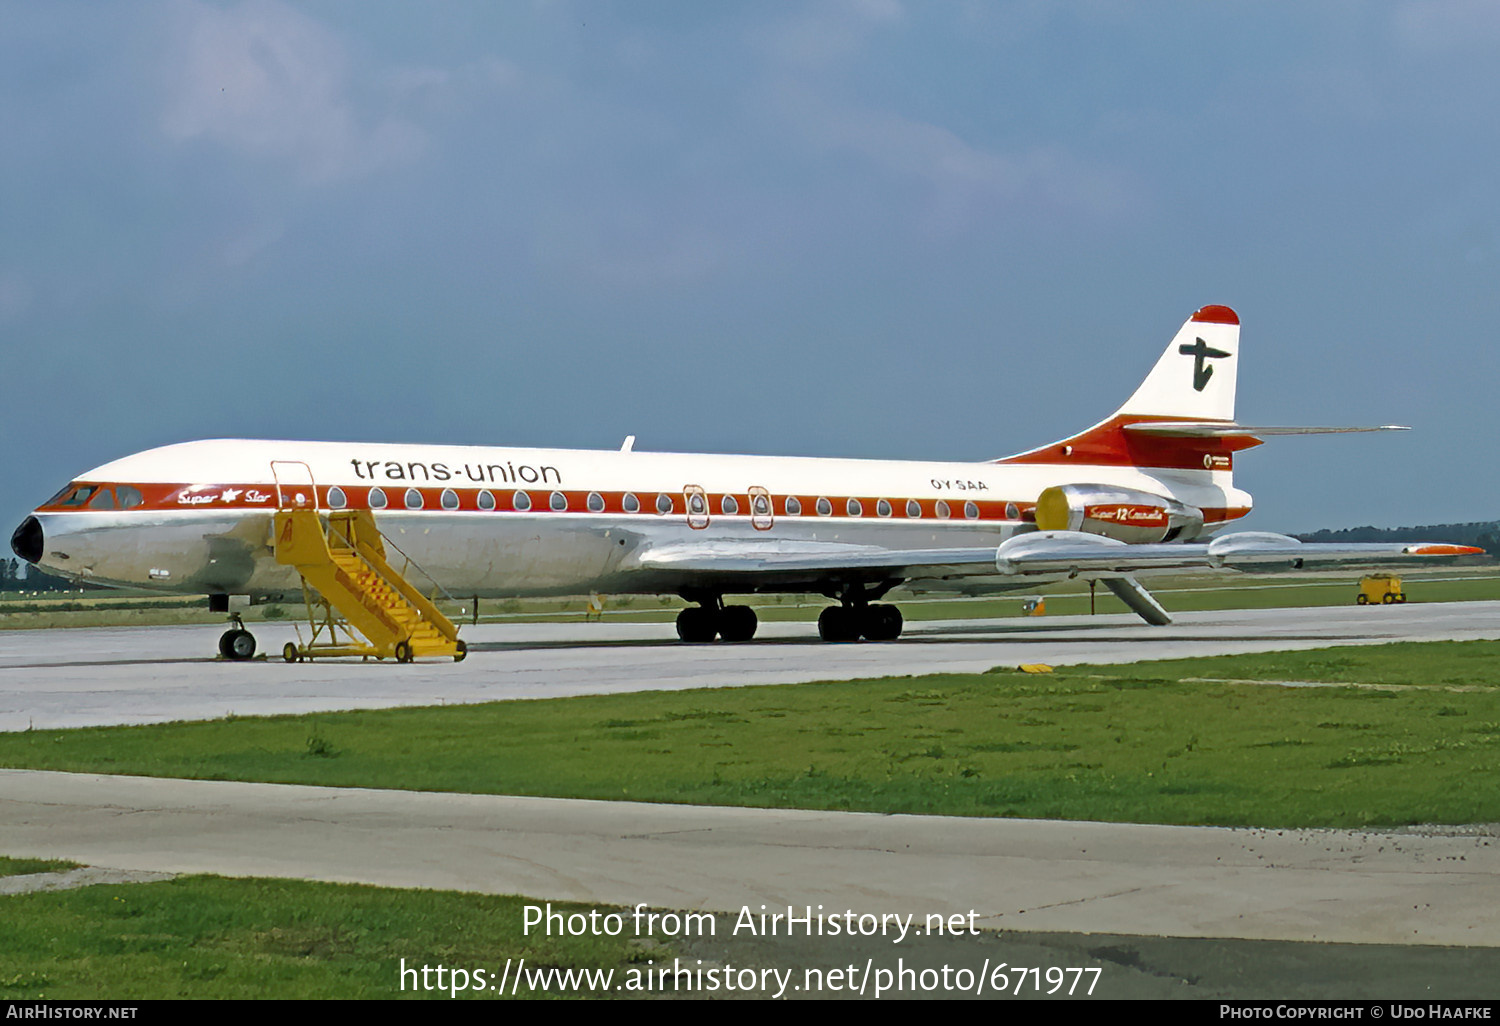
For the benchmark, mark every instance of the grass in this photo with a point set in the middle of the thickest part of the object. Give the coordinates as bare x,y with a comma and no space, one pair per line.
21,867
1411,736
207,937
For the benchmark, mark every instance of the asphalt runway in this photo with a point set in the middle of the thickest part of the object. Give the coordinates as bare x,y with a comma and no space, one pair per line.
1434,887
1159,911
86,677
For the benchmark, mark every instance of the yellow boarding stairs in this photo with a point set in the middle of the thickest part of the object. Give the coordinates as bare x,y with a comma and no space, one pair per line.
346,565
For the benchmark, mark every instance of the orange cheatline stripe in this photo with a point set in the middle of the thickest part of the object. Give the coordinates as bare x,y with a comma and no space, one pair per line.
163,497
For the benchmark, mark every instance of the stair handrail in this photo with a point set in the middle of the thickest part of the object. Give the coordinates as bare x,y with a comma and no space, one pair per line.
371,553
412,562
353,549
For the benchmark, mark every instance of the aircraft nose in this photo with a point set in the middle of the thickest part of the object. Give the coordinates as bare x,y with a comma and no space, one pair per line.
26,542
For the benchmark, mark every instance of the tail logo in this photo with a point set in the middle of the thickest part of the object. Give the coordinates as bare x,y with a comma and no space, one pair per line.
1200,351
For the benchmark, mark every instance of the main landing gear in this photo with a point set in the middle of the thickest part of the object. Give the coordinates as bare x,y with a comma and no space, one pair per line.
873,622
856,616
712,619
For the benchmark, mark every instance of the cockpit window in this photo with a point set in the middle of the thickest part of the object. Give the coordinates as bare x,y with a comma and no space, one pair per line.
129,496
103,499
80,496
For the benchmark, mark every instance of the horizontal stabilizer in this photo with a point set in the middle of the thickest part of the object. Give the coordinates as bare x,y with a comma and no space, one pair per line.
1221,429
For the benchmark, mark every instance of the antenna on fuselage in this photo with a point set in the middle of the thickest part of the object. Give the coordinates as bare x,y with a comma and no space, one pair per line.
628,444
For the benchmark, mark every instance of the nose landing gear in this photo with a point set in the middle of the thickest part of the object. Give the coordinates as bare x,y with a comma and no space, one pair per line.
237,643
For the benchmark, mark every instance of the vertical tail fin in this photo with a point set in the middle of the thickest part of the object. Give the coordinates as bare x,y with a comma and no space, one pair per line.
1193,381
1195,377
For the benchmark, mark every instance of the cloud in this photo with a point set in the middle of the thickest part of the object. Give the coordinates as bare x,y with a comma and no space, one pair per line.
827,32
632,248
264,80
962,180
816,60
1443,26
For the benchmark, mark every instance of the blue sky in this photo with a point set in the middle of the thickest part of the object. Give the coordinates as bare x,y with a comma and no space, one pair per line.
866,228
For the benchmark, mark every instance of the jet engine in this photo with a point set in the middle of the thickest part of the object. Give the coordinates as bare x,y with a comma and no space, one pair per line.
1125,514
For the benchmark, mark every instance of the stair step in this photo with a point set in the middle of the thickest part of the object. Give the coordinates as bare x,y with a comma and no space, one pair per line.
360,581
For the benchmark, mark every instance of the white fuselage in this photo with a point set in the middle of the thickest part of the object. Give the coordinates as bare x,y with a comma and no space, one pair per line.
196,517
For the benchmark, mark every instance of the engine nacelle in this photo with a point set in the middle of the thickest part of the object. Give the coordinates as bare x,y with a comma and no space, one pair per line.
1124,514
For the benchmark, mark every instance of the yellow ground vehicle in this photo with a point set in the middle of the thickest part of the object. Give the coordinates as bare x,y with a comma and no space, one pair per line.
1382,588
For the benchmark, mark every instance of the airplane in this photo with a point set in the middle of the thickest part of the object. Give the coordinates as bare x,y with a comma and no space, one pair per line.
1148,490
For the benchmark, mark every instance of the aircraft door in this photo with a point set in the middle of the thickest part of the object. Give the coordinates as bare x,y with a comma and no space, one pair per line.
295,488
761,516
697,506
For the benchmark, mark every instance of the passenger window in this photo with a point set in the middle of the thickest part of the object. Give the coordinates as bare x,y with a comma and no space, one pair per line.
520,501
696,504
825,508
760,506
336,498
129,497
664,503
729,506
793,506
413,499
449,499
971,510
486,500
630,504
377,498
883,508
854,508
596,502
942,510
913,508
558,501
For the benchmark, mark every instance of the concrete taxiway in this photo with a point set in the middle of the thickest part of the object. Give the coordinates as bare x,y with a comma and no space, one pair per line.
83,677
1425,888
1409,888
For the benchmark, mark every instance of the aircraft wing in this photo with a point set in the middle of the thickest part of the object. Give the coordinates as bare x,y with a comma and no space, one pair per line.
1053,551
816,560
1032,554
